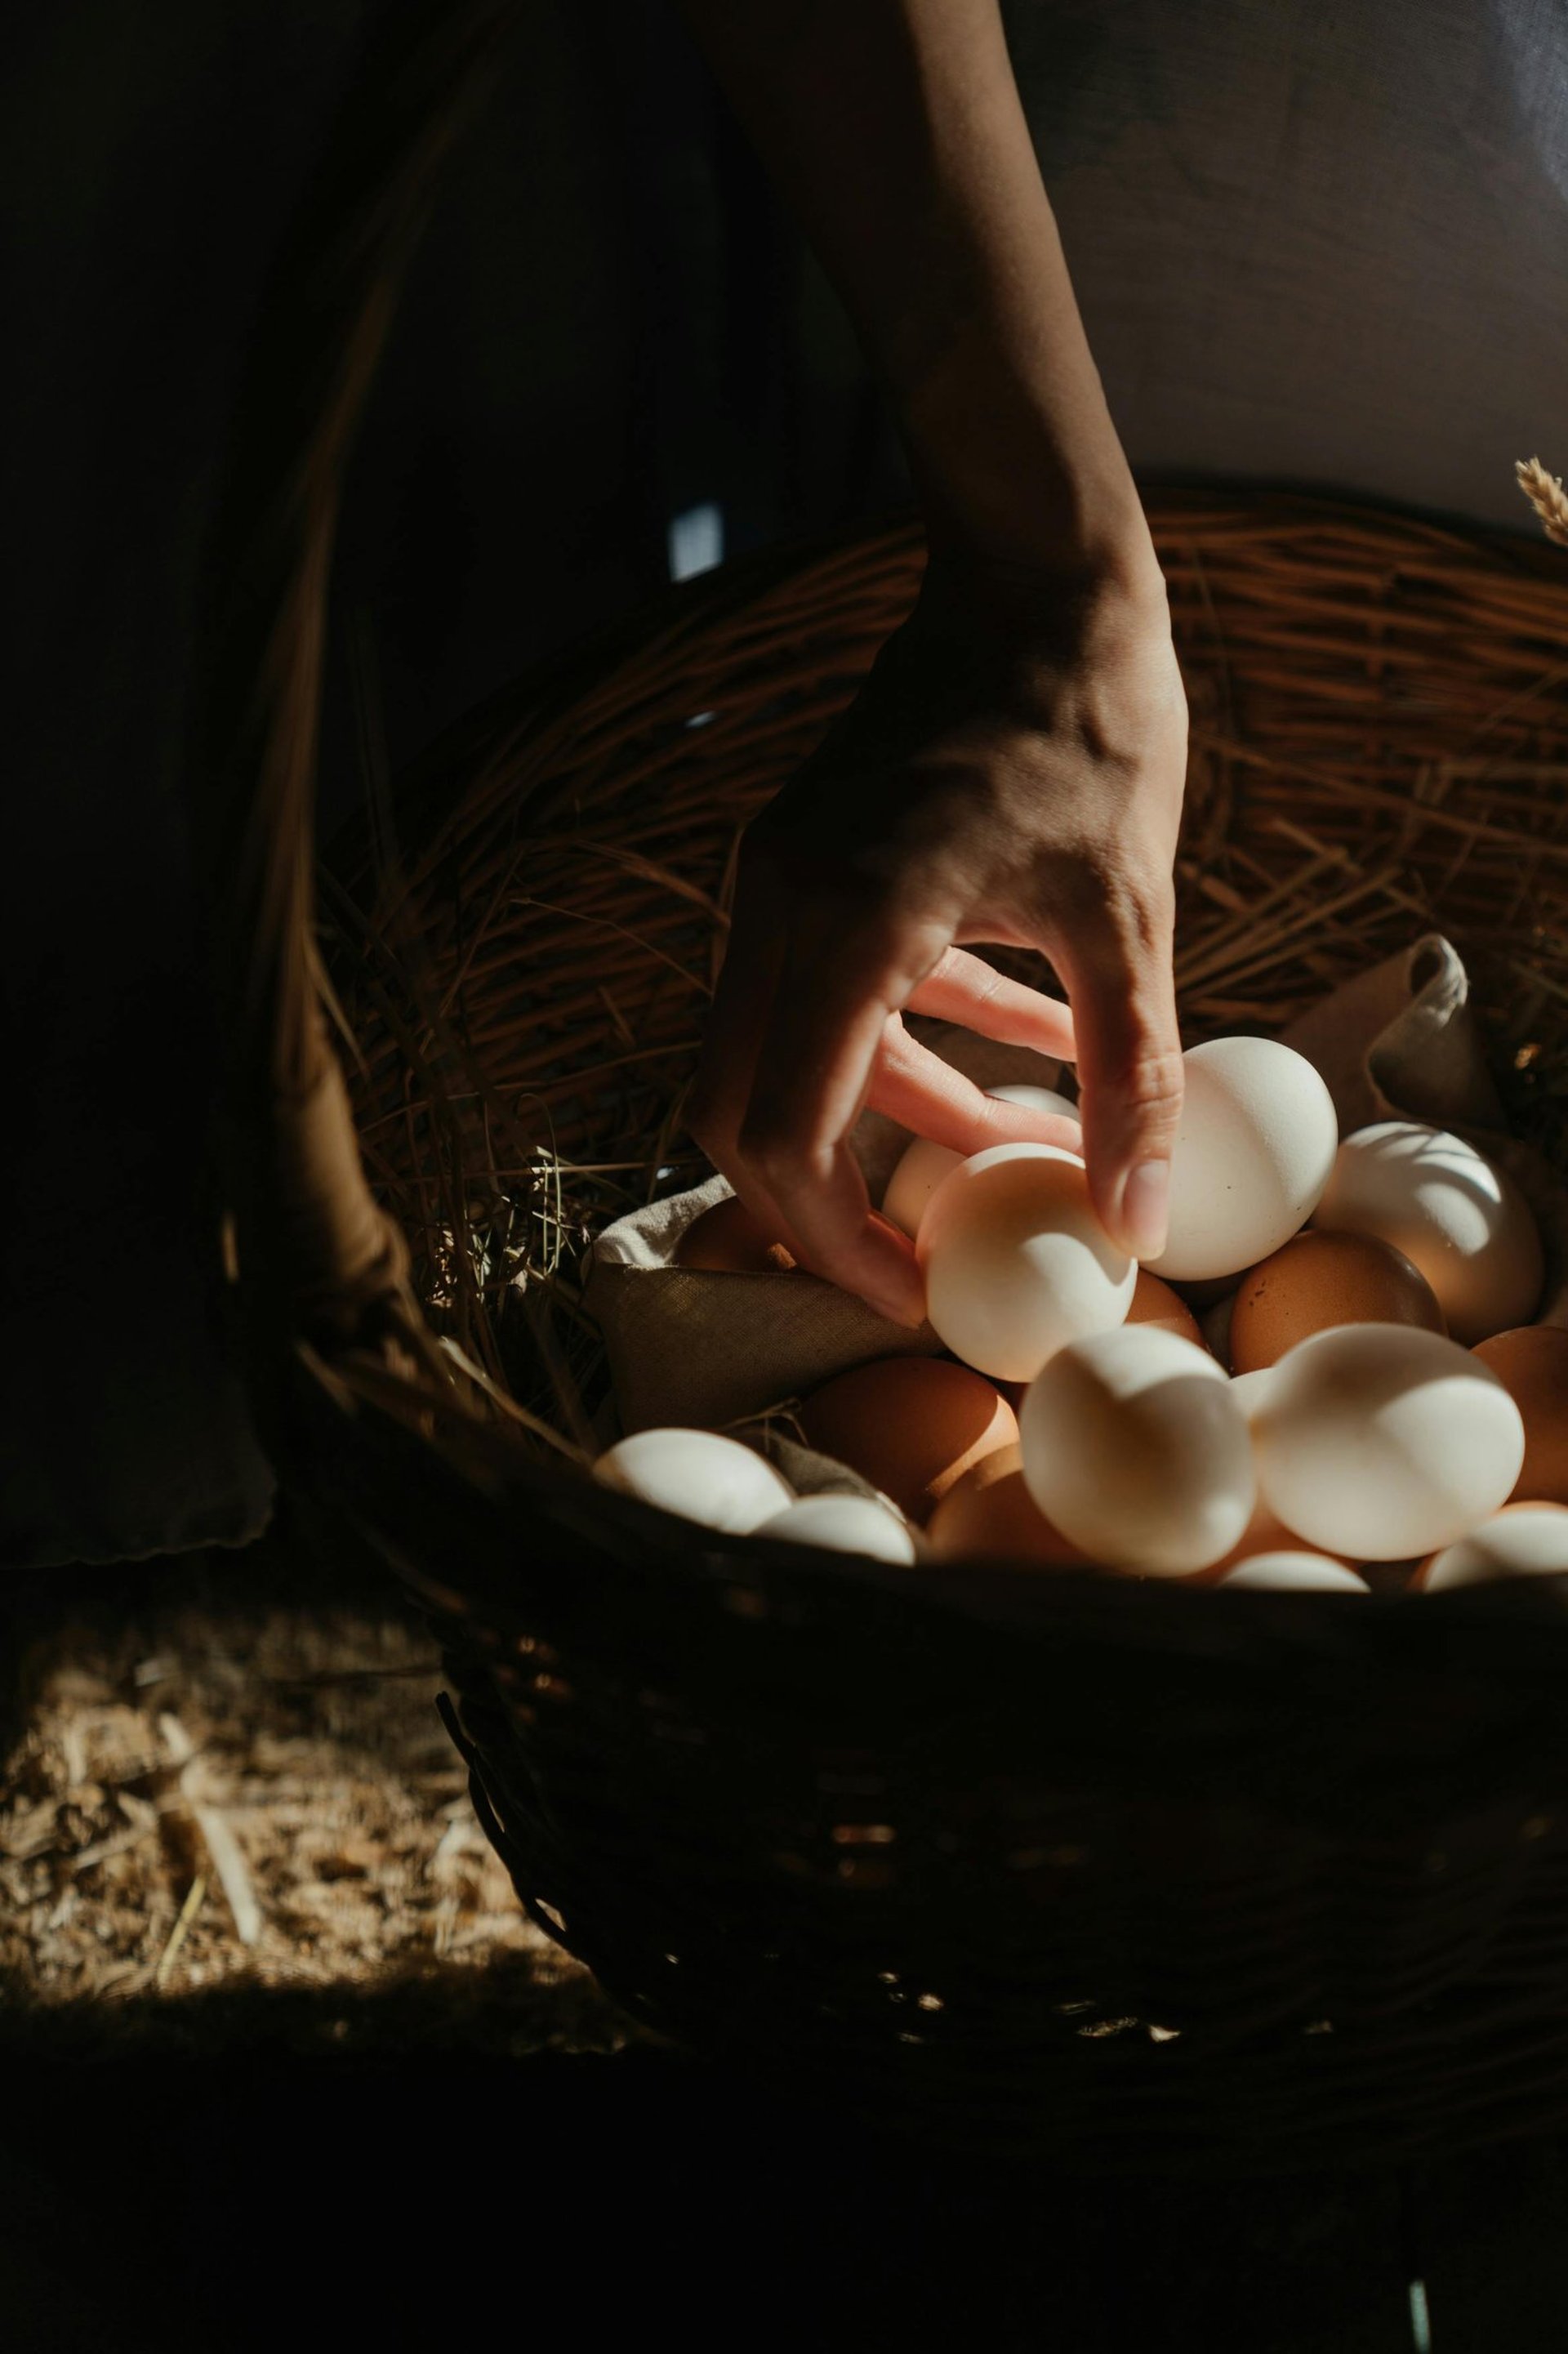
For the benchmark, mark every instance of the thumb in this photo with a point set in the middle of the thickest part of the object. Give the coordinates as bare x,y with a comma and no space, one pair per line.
1116,966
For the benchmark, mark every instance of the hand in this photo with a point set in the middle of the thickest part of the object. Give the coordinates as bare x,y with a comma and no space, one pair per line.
1011,772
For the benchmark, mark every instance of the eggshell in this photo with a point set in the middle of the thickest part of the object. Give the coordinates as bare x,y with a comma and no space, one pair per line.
1459,1219
728,1240
1253,1154
843,1525
698,1474
990,1512
1522,1541
1294,1572
1154,1302
1263,1533
1379,1441
1036,1100
1134,1446
1320,1279
924,1164
1016,1261
911,1426
1531,1363
1249,1390
916,1177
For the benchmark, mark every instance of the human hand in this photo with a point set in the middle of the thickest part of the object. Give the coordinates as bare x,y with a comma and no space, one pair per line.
1011,771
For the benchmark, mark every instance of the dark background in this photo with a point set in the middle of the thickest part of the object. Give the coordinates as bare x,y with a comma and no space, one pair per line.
609,323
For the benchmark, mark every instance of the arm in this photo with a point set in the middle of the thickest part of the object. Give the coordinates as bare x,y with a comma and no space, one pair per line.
1013,770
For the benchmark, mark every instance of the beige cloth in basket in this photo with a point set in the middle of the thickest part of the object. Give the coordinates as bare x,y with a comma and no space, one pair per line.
685,1346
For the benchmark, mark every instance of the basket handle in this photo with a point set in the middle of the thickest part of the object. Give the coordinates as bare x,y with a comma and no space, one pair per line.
304,1239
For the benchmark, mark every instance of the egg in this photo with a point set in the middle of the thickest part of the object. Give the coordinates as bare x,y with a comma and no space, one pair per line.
1135,1449
728,1240
1531,1363
920,1170
1263,1533
1522,1541
1016,1262
1294,1572
1249,1390
1461,1221
698,1474
1154,1302
910,1426
1253,1154
1320,1279
924,1164
1380,1441
990,1513
843,1525
1034,1098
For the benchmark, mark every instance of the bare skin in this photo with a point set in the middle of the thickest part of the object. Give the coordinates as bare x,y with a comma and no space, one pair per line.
1011,770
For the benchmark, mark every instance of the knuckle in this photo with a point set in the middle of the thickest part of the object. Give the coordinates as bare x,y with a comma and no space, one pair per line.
1153,1085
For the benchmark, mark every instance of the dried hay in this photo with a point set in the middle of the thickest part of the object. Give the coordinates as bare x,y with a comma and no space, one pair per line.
261,1801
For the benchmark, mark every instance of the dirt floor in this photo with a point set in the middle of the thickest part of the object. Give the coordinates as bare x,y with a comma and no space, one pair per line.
222,1790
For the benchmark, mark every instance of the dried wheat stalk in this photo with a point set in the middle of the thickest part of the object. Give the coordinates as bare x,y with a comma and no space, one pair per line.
1547,496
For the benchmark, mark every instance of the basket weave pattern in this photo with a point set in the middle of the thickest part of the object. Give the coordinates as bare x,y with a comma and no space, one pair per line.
1061,1865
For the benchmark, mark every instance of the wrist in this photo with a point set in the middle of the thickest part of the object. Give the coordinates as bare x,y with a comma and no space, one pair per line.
1014,464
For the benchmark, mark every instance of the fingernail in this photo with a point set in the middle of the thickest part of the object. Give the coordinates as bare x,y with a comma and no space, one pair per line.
1146,1209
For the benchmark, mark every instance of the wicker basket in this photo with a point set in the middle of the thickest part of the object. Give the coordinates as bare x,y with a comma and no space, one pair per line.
1065,1866
1076,1867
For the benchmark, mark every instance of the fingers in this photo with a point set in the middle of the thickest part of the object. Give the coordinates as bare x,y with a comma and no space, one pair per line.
839,982
965,989
920,1091
1116,959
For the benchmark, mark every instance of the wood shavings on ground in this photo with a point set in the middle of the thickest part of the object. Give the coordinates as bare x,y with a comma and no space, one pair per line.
260,1804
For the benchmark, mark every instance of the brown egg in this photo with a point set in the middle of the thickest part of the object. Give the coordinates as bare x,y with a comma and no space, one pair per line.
990,1512
1154,1302
1531,1363
1322,1280
911,1426
728,1240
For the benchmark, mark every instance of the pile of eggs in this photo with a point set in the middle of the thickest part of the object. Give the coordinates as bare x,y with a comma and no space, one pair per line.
1358,1400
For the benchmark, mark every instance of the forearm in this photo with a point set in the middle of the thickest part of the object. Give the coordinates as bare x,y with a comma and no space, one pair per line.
894,128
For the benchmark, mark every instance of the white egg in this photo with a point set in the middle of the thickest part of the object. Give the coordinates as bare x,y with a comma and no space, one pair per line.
916,1177
1253,1154
1135,1449
1294,1572
1016,1262
844,1524
1526,1541
1459,1219
1249,1390
924,1164
1044,1099
1382,1441
699,1474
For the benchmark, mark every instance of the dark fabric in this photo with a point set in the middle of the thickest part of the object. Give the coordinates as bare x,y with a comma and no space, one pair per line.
1322,242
